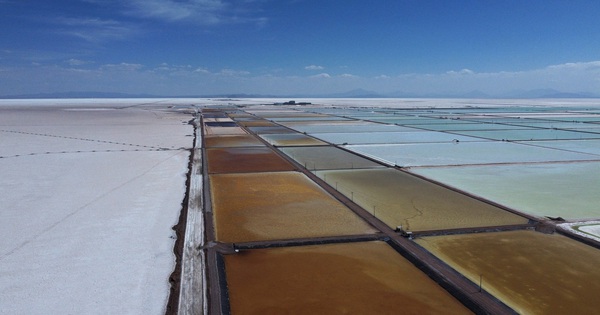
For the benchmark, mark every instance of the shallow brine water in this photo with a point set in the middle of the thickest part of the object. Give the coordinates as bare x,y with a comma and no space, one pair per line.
232,141
567,190
291,139
256,123
464,153
270,130
354,127
271,206
534,273
356,278
328,157
242,160
399,199
210,130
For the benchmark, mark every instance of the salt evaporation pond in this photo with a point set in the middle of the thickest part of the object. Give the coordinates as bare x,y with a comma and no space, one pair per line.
355,278
578,126
534,134
327,157
354,127
218,130
391,137
564,190
467,127
308,118
256,123
463,153
247,159
232,141
582,146
291,139
533,273
400,199
270,130
273,206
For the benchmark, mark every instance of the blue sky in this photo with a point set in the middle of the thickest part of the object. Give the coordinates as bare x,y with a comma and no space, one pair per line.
183,47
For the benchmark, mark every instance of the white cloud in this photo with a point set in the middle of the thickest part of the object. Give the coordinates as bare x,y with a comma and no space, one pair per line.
169,79
314,67
122,67
321,75
96,30
592,65
207,11
201,70
204,12
461,72
77,62
232,73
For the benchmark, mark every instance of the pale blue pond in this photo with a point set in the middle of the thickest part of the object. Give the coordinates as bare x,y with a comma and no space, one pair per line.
530,134
437,154
391,137
568,190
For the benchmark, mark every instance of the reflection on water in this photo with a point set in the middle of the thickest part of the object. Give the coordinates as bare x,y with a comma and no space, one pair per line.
533,273
356,278
284,205
399,199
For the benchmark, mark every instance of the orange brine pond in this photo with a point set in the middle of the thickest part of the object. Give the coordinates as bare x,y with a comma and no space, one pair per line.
328,157
232,141
291,139
414,204
243,160
354,278
271,206
533,273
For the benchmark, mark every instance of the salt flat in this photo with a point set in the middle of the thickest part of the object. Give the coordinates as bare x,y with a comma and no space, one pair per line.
90,189
89,194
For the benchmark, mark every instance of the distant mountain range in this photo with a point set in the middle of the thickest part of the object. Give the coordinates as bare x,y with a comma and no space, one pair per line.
357,93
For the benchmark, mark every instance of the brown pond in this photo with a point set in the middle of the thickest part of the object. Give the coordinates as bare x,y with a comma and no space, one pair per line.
355,278
328,157
249,159
283,205
533,273
399,199
232,141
